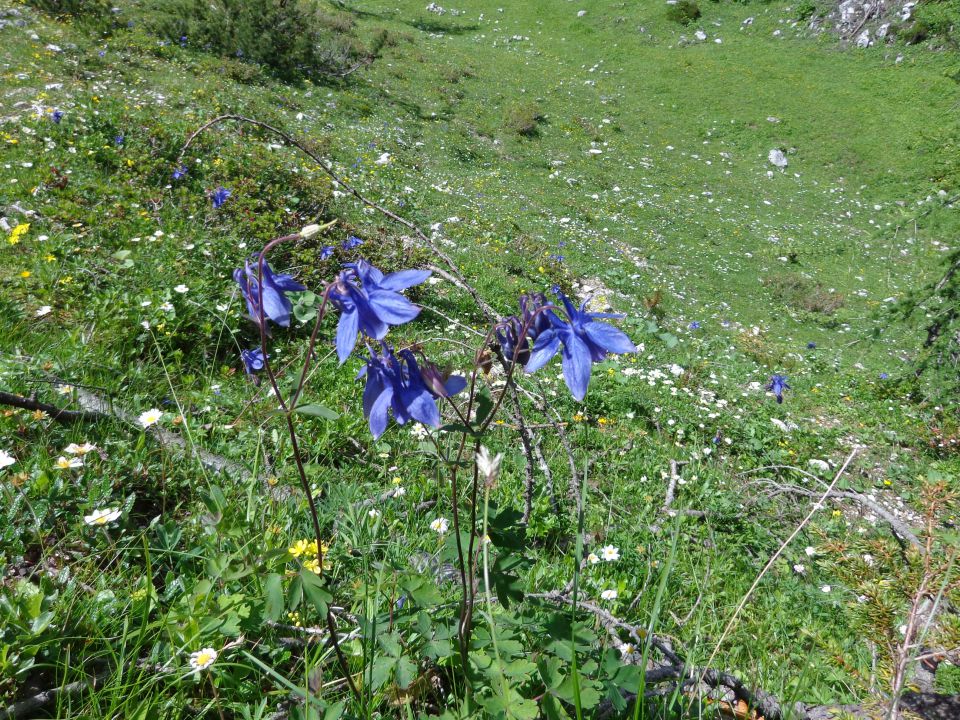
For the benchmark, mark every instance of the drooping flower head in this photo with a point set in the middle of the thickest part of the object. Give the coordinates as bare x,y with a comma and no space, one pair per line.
395,382
777,384
581,341
370,302
517,333
219,196
351,242
252,360
180,172
276,305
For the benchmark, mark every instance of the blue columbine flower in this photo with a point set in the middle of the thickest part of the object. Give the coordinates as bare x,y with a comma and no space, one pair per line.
516,334
276,305
883,376
352,242
395,382
695,325
252,360
326,252
118,140
374,305
219,196
584,341
811,345
180,172
57,116
778,383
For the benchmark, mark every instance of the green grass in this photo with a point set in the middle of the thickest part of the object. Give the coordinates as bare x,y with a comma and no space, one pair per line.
680,201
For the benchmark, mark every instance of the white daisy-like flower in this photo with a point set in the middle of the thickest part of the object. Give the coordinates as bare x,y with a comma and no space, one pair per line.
43,310
609,553
627,649
6,459
202,659
181,288
799,569
868,559
167,306
150,417
65,463
593,558
74,449
609,595
102,517
440,525
825,588
64,389
373,513
810,551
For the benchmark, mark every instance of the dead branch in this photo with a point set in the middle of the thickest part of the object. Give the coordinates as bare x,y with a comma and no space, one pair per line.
899,528
56,413
28,705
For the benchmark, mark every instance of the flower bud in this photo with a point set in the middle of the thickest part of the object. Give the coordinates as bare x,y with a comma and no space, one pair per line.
309,231
434,380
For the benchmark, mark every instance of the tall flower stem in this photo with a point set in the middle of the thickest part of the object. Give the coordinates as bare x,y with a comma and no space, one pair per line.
287,408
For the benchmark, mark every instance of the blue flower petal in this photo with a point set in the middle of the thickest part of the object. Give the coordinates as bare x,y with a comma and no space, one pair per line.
576,366
347,330
392,308
403,279
546,347
608,337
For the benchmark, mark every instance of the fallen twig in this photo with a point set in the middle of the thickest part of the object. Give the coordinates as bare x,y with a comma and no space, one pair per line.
898,527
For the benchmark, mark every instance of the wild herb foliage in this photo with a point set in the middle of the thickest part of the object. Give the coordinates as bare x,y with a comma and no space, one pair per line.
168,562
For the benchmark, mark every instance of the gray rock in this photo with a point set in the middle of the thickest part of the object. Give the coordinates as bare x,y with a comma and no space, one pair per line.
777,157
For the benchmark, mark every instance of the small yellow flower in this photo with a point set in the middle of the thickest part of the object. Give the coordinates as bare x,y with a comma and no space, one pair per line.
306,548
25,274
397,480
18,232
39,415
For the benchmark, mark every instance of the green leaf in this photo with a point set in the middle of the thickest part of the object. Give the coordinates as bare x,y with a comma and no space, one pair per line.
484,406
549,668
669,339
406,672
274,592
315,592
552,709
382,668
314,410
390,642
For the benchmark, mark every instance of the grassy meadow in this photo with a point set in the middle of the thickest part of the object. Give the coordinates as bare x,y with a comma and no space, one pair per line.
594,148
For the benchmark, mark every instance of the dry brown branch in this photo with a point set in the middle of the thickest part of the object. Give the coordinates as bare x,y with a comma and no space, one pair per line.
899,528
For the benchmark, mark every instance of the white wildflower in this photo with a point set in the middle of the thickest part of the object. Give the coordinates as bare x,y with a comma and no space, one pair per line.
202,659
150,417
102,517
610,553
440,525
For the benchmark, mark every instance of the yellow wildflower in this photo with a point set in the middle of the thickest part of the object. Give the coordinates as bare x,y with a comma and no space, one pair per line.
18,232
